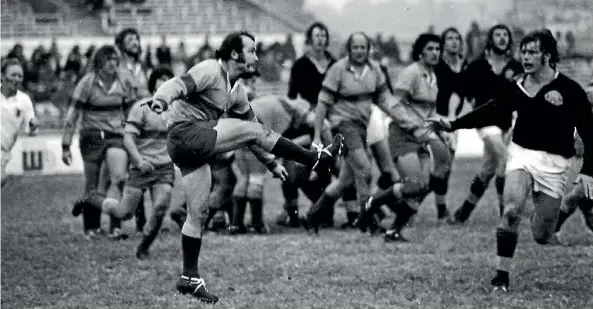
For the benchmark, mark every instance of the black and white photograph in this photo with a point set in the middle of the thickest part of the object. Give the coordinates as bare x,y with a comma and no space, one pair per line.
272,154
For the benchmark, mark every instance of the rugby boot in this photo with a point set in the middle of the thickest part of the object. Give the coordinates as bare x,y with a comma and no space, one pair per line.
309,225
501,281
326,157
237,229
393,236
196,287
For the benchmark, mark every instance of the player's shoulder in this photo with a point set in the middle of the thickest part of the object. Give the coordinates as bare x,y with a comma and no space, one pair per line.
569,84
23,97
412,69
207,66
341,64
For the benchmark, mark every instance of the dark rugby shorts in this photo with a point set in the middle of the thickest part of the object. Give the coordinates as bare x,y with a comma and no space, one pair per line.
162,174
401,143
191,144
354,134
94,144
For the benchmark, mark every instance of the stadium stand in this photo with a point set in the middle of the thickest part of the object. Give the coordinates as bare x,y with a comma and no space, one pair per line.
21,18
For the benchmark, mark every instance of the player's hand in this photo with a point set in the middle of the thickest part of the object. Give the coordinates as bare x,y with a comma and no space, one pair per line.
157,106
438,124
280,172
317,144
587,182
67,156
145,167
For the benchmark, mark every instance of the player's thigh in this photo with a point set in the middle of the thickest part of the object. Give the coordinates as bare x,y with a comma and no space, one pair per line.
117,163
545,216
129,202
196,188
233,133
161,197
494,150
409,166
517,187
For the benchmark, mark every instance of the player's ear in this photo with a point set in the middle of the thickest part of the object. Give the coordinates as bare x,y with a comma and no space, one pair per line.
234,55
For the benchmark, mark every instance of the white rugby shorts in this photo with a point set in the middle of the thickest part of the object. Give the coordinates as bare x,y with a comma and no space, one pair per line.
488,131
549,171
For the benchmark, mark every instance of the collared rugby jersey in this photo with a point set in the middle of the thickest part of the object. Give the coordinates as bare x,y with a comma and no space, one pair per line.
546,121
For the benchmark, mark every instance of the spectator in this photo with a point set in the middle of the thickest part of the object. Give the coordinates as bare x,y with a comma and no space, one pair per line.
473,40
55,58
391,49
73,65
181,59
570,43
148,64
163,53
88,55
289,50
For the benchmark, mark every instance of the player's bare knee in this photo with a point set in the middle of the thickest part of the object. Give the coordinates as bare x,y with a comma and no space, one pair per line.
511,218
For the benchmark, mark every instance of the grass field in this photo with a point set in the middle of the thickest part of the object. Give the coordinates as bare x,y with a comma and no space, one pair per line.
47,264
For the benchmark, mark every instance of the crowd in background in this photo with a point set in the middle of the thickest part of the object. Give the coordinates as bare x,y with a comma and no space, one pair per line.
51,74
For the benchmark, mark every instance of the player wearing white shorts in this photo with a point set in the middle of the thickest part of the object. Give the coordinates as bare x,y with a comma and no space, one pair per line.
17,110
549,107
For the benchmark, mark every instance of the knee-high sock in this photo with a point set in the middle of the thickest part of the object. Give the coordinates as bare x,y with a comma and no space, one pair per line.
286,149
191,252
506,242
326,200
239,205
256,205
477,189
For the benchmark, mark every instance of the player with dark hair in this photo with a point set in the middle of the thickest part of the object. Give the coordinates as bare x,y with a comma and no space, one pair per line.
549,107
306,76
416,88
484,78
17,110
197,133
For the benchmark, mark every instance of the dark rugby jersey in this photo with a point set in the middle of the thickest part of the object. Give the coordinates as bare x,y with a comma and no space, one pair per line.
481,84
545,122
305,79
448,82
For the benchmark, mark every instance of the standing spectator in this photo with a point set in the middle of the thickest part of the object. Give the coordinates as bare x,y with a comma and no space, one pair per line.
73,64
289,51
472,40
570,43
55,58
148,58
163,53
180,59
88,56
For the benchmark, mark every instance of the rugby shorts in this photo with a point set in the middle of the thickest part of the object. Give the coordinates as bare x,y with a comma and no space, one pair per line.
192,144
549,171
162,174
94,144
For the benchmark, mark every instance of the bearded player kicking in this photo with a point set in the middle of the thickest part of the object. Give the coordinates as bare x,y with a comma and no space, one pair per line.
549,106
197,133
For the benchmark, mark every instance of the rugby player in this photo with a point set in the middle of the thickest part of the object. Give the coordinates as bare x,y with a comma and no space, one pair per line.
549,107
17,110
197,133
484,78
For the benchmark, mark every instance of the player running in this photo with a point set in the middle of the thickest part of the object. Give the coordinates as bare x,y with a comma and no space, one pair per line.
539,156
484,78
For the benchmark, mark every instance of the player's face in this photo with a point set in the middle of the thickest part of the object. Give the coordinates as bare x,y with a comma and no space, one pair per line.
131,44
110,63
248,58
452,42
318,39
532,58
12,78
359,50
431,53
500,38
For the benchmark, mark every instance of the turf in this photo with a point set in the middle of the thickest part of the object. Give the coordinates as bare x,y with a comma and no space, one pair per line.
47,264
